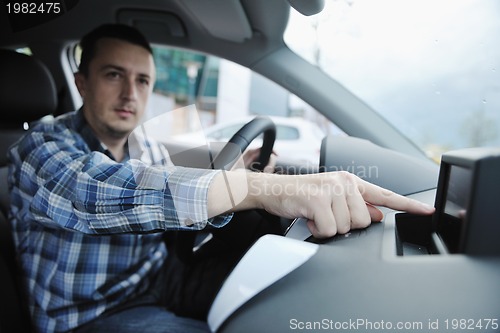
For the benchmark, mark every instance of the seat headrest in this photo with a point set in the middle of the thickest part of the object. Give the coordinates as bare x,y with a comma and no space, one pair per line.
27,89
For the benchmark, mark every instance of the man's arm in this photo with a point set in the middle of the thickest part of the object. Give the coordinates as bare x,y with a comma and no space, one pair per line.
63,184
333,202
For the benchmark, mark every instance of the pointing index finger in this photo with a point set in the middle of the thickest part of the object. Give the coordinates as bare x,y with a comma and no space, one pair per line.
377,195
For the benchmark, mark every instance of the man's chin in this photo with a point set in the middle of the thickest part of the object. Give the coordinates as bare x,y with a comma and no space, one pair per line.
121,131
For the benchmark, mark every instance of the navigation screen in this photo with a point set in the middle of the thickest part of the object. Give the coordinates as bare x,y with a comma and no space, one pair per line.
456,201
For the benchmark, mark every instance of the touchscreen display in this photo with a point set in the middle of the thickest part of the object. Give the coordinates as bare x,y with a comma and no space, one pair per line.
455,202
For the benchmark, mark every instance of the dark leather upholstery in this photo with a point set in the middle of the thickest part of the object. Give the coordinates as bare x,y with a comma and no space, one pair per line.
27,93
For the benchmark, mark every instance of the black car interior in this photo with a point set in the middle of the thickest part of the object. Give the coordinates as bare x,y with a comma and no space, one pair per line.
27,92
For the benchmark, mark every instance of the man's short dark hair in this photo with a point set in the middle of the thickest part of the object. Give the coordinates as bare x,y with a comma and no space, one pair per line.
119,31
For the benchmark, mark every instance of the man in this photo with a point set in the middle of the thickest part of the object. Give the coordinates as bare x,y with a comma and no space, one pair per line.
89,219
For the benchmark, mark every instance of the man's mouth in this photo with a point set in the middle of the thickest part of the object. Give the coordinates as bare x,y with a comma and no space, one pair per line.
124,112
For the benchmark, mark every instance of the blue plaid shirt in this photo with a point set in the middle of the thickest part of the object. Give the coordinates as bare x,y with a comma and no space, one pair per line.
87,228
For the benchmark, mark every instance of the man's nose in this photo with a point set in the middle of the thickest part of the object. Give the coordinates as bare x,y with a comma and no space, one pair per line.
129,90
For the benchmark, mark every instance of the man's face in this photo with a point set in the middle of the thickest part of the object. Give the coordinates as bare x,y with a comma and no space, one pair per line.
116,90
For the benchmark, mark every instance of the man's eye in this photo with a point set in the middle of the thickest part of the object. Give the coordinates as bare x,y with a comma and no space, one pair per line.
144,82
113,75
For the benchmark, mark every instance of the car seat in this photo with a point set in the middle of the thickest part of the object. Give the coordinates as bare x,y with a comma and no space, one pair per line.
27,92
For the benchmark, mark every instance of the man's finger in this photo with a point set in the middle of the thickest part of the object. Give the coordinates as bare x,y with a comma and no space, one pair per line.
323,224
359,214
379,196
269,168
376,214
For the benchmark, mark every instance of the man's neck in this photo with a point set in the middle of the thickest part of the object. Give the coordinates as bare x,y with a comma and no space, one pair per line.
114,144
116,148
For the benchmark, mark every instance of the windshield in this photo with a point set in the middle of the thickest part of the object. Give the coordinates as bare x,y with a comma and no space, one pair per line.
430,67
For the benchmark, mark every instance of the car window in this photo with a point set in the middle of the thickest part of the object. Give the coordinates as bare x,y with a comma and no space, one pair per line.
287,133
430,67
282,132
224,133
225,96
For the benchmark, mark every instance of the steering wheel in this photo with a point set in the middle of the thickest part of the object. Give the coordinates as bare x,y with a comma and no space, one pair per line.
241,233
233,149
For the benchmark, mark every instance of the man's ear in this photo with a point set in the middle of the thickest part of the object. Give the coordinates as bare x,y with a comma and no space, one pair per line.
80,81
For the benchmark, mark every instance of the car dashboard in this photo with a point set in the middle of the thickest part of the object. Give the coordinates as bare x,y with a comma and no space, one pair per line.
398,274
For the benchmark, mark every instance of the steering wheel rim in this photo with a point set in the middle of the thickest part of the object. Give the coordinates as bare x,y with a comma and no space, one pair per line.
240,141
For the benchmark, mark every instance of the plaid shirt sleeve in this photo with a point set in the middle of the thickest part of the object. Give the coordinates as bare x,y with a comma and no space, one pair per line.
89,192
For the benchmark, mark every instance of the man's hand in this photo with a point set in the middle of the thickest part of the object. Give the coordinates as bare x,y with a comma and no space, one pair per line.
251,155
333,202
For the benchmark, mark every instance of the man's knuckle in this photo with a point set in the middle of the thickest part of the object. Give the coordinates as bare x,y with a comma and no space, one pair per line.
345,176
327,231
343,229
